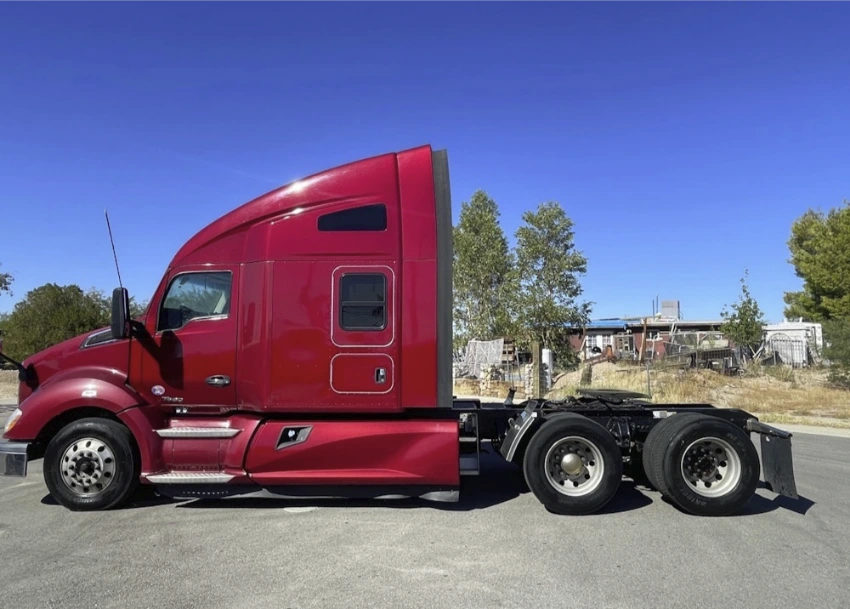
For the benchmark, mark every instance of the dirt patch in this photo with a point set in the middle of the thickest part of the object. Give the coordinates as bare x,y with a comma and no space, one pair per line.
8,384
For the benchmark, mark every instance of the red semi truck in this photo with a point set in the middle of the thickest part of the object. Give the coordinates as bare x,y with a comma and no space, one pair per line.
300,345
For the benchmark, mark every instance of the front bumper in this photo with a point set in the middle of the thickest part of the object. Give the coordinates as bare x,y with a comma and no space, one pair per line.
13,458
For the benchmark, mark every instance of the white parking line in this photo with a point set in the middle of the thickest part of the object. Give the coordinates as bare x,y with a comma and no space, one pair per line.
18,485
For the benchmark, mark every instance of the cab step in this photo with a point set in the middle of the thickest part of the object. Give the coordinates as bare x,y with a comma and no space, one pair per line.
190,478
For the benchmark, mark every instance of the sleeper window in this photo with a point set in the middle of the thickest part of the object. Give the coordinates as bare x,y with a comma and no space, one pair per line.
364,218
194,296
362,302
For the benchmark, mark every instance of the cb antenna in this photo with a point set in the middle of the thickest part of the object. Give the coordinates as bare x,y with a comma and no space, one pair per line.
112,242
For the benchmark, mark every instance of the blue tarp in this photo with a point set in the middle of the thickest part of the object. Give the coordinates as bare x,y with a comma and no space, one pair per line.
607,323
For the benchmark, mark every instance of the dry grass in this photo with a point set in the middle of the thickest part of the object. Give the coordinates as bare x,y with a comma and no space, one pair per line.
493,389
8,384
781,395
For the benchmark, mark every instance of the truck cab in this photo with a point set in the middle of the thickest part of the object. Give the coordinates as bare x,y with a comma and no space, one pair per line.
321,300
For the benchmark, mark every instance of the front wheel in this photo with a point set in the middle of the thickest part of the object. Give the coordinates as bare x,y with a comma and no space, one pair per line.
573,465
91,465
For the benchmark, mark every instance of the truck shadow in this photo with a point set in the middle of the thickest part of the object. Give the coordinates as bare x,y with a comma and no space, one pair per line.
498,482
760,504
145,497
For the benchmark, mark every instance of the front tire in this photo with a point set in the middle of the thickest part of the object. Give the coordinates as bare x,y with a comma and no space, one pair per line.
573,465
91,465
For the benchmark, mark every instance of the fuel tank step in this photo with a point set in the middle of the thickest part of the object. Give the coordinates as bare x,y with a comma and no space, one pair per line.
197,432
190,478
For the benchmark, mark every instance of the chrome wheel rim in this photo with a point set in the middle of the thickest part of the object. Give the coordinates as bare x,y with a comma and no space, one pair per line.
87,467
712,467
574,466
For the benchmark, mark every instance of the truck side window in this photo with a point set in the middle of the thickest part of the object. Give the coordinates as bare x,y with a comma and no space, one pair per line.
194,296
363,218
362,302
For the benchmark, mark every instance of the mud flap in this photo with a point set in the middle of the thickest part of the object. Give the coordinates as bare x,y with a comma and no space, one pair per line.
777,462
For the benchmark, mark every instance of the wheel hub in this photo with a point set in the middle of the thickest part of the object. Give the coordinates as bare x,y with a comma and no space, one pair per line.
711,466
574,466
571,464
87,467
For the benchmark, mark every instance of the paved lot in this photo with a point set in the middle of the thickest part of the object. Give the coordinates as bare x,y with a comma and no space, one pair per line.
497,548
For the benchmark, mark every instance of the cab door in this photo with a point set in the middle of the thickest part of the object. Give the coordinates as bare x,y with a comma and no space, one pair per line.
364,333
188,354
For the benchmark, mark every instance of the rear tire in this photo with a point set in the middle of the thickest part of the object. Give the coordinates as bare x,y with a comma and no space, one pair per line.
709,466
573,465
655,447
91,465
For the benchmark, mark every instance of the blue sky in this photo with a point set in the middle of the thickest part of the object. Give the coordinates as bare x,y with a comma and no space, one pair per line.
683,139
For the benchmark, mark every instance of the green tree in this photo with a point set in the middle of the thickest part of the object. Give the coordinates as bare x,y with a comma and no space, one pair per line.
481,272
4,320
820,253
5,283
50,314
836,334
548,269
743,321
137,309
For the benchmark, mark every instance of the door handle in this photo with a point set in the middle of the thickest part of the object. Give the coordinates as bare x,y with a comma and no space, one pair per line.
380,375
218,380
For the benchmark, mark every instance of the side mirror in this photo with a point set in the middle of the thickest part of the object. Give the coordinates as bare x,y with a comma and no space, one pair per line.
120,313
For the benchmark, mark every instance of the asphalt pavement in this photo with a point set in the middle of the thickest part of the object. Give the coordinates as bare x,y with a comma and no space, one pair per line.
498,547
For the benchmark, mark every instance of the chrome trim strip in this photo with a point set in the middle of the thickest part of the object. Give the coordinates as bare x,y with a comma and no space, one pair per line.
526,424
86,343
202,318
444,496
191,478
197,432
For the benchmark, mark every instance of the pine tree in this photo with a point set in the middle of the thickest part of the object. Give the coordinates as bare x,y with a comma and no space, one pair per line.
481,273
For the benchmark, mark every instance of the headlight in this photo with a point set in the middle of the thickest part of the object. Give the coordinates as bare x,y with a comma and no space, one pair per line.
13,419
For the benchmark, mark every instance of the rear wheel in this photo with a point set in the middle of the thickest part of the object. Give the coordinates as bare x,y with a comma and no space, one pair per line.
655,447
573,465
709,466
91,465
